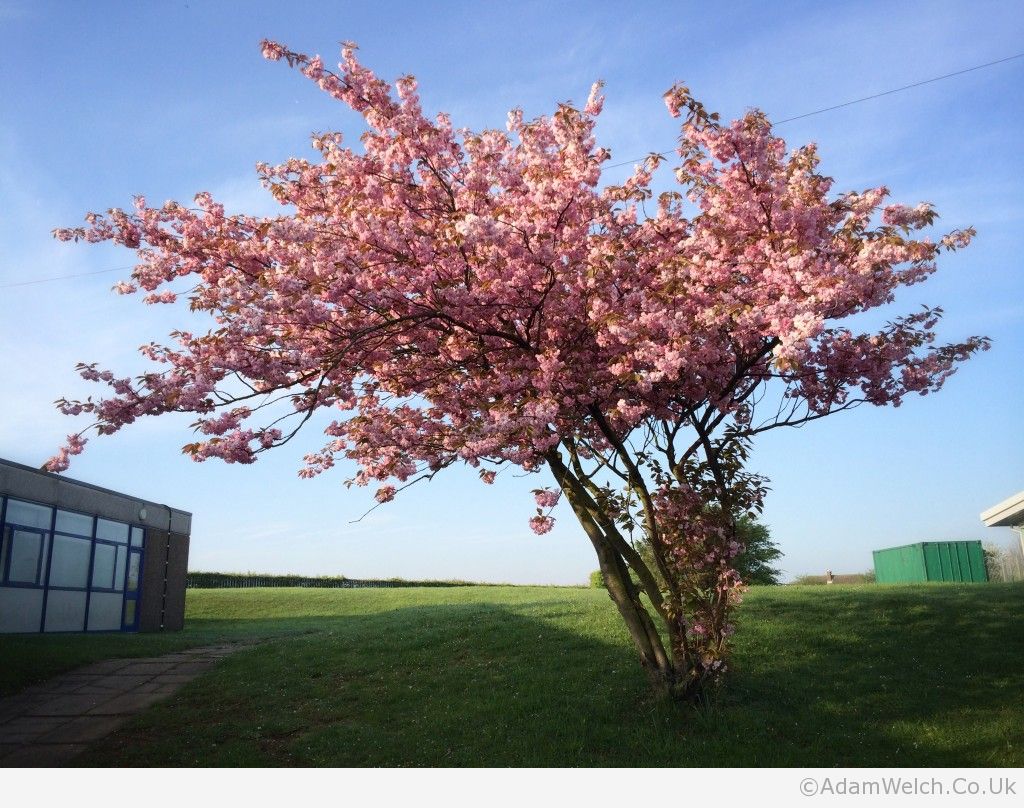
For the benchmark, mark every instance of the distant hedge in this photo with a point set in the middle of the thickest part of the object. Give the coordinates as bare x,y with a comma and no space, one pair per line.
235,580
853,578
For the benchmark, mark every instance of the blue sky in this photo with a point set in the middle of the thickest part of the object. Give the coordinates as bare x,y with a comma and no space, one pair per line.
105,100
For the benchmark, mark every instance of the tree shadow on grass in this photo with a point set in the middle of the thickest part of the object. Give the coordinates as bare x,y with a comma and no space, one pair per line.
880,678
911,675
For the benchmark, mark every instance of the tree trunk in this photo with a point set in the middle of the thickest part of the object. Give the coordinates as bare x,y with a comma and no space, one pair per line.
661,667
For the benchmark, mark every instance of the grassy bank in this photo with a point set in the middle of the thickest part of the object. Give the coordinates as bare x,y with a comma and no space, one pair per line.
861,676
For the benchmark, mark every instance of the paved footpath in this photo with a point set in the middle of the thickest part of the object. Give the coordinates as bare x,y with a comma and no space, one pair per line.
51,723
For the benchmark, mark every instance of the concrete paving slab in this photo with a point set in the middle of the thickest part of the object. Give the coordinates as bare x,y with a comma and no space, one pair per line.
42,755
194,667
84,729
105,666
175,678
99,689
127,704
55,721
59,688
13,706
79,678
121,684
18,738
71,705
34,692
33,726
145,668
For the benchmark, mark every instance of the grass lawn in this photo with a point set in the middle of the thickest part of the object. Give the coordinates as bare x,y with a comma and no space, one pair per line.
927,675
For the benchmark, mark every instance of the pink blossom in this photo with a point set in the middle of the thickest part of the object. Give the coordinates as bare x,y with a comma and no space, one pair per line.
271,50
546,498
541,524
385,493
60,462
958,239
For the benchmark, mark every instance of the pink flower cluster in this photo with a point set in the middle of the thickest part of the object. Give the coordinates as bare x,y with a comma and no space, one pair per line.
546,498
701,548
541,524
385,493
60,462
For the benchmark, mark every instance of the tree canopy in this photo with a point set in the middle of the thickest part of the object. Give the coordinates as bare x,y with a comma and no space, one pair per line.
478,297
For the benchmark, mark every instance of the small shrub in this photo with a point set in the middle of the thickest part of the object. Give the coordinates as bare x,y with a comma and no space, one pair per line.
597,579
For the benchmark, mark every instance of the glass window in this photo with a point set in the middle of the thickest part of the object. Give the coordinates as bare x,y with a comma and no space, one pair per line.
104,612
21,609
68,522
112,531
129,613
103,563
133,571
65,611
70,563
119,569
138,535
27,550
4,543
28,514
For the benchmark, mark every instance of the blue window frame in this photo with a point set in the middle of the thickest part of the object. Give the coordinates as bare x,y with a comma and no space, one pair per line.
56,550
23,555
132,590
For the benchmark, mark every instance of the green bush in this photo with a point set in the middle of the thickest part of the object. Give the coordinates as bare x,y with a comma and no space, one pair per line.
597,580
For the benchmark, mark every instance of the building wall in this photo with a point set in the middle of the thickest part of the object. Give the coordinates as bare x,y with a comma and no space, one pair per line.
75,557
163,594
177,573
151,602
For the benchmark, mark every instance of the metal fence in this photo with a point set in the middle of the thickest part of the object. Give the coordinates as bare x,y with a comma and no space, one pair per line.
228,580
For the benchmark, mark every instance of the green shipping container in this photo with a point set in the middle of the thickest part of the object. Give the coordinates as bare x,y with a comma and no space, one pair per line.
931,561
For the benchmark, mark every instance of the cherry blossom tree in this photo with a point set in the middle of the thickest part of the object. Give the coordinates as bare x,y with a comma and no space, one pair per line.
479,298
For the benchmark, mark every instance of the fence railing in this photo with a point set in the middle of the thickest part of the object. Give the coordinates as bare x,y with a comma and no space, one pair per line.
228,580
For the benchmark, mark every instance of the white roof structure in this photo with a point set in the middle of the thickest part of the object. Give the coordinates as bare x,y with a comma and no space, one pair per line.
1008,513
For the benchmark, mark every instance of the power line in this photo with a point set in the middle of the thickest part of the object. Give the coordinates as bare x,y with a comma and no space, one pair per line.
901,89
62,277
855,101
638,159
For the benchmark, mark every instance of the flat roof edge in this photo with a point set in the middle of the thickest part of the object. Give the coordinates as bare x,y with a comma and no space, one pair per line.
1008,513
80,483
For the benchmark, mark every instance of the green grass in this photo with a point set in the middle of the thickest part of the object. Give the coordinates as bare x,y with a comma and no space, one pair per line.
29,660
925,675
